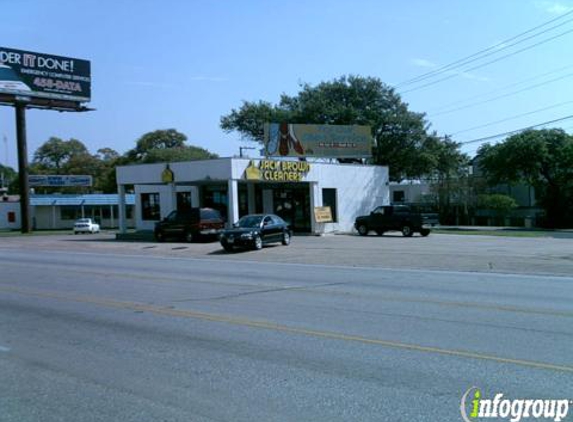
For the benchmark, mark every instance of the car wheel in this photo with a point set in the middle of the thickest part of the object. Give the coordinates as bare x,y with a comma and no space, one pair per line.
379,232
362,230
159,236
188,236
227,247
407,231
286,238
258,243
425,232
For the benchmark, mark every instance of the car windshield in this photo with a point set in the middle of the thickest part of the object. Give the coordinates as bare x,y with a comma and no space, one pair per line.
250,221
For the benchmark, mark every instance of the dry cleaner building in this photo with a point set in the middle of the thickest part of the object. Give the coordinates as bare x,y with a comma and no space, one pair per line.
239,186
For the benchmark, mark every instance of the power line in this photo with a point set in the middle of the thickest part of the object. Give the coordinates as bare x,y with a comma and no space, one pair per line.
499,135
446,108
509,94
500,44
490,62
512,117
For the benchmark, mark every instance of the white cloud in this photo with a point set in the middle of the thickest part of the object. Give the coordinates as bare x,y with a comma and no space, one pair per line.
553,7
150,84
207,78
427,64
423,63
170,85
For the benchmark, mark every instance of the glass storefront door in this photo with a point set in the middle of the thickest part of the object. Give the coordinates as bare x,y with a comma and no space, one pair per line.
293,206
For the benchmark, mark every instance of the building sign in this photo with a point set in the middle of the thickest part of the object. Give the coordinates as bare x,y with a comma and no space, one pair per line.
277,171
28,74
167,175
334,141
322,215
59,181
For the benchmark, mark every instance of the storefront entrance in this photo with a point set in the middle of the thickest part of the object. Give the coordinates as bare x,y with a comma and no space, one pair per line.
293,206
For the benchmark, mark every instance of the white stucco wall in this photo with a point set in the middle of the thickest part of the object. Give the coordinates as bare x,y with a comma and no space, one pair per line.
359,189
165,203
142,174
8,207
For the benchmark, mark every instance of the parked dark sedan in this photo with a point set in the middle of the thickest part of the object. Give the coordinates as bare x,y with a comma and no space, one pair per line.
255,230
189,224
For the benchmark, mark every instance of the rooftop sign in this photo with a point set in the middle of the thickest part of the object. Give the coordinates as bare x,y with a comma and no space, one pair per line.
332,141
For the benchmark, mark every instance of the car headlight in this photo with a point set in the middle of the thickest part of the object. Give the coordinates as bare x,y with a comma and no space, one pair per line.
247,235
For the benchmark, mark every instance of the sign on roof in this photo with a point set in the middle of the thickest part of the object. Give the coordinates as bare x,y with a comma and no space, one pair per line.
59,180
333,141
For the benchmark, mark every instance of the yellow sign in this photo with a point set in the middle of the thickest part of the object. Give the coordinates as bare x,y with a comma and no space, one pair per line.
322,215
167,175
277,171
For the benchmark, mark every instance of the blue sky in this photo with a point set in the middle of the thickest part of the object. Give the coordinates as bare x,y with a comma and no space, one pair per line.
184,64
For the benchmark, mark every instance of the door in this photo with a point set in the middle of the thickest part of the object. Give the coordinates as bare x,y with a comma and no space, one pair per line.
270,230
293,206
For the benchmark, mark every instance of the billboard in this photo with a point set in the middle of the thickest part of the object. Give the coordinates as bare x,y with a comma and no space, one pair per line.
28,74
332,141
59,181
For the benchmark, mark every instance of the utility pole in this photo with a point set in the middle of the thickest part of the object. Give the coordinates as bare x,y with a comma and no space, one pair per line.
23,167
244,148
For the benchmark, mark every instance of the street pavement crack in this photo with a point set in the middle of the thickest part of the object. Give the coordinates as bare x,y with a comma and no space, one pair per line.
257,292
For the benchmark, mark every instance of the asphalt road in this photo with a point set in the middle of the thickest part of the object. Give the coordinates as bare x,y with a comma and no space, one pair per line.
89,335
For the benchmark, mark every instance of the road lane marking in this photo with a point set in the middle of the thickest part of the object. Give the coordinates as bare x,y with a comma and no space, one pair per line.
133,306
546,277
320,288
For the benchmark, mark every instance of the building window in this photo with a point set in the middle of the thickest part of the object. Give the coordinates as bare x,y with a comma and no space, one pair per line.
216,198
70,212
183,201
398,196
150,206
329,200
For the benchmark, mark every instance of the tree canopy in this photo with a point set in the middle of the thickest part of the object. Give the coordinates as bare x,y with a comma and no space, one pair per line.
401,139
166,145
542,158
57,156
56,152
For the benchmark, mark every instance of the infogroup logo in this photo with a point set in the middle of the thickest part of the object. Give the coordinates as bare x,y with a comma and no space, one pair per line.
474,407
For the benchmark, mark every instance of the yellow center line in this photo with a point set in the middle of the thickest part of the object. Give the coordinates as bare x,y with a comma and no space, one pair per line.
133,306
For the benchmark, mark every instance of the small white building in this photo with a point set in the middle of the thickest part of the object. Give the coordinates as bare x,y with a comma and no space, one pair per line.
239,186
60,211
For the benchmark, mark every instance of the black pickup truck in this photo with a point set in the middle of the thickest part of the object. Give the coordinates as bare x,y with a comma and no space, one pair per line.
396,217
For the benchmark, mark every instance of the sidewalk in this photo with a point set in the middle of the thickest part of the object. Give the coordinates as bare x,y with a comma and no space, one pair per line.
557,233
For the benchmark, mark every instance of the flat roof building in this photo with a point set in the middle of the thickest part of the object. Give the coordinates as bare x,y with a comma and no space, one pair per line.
294,190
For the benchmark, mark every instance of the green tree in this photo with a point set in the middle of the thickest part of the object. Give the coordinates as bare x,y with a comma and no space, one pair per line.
500,204
399,135
448,178
541,158
107,155
71,157
8,177
55,152
165,146
183,153
158,139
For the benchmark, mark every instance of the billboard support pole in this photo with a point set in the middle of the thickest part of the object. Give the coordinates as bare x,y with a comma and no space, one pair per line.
23,168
